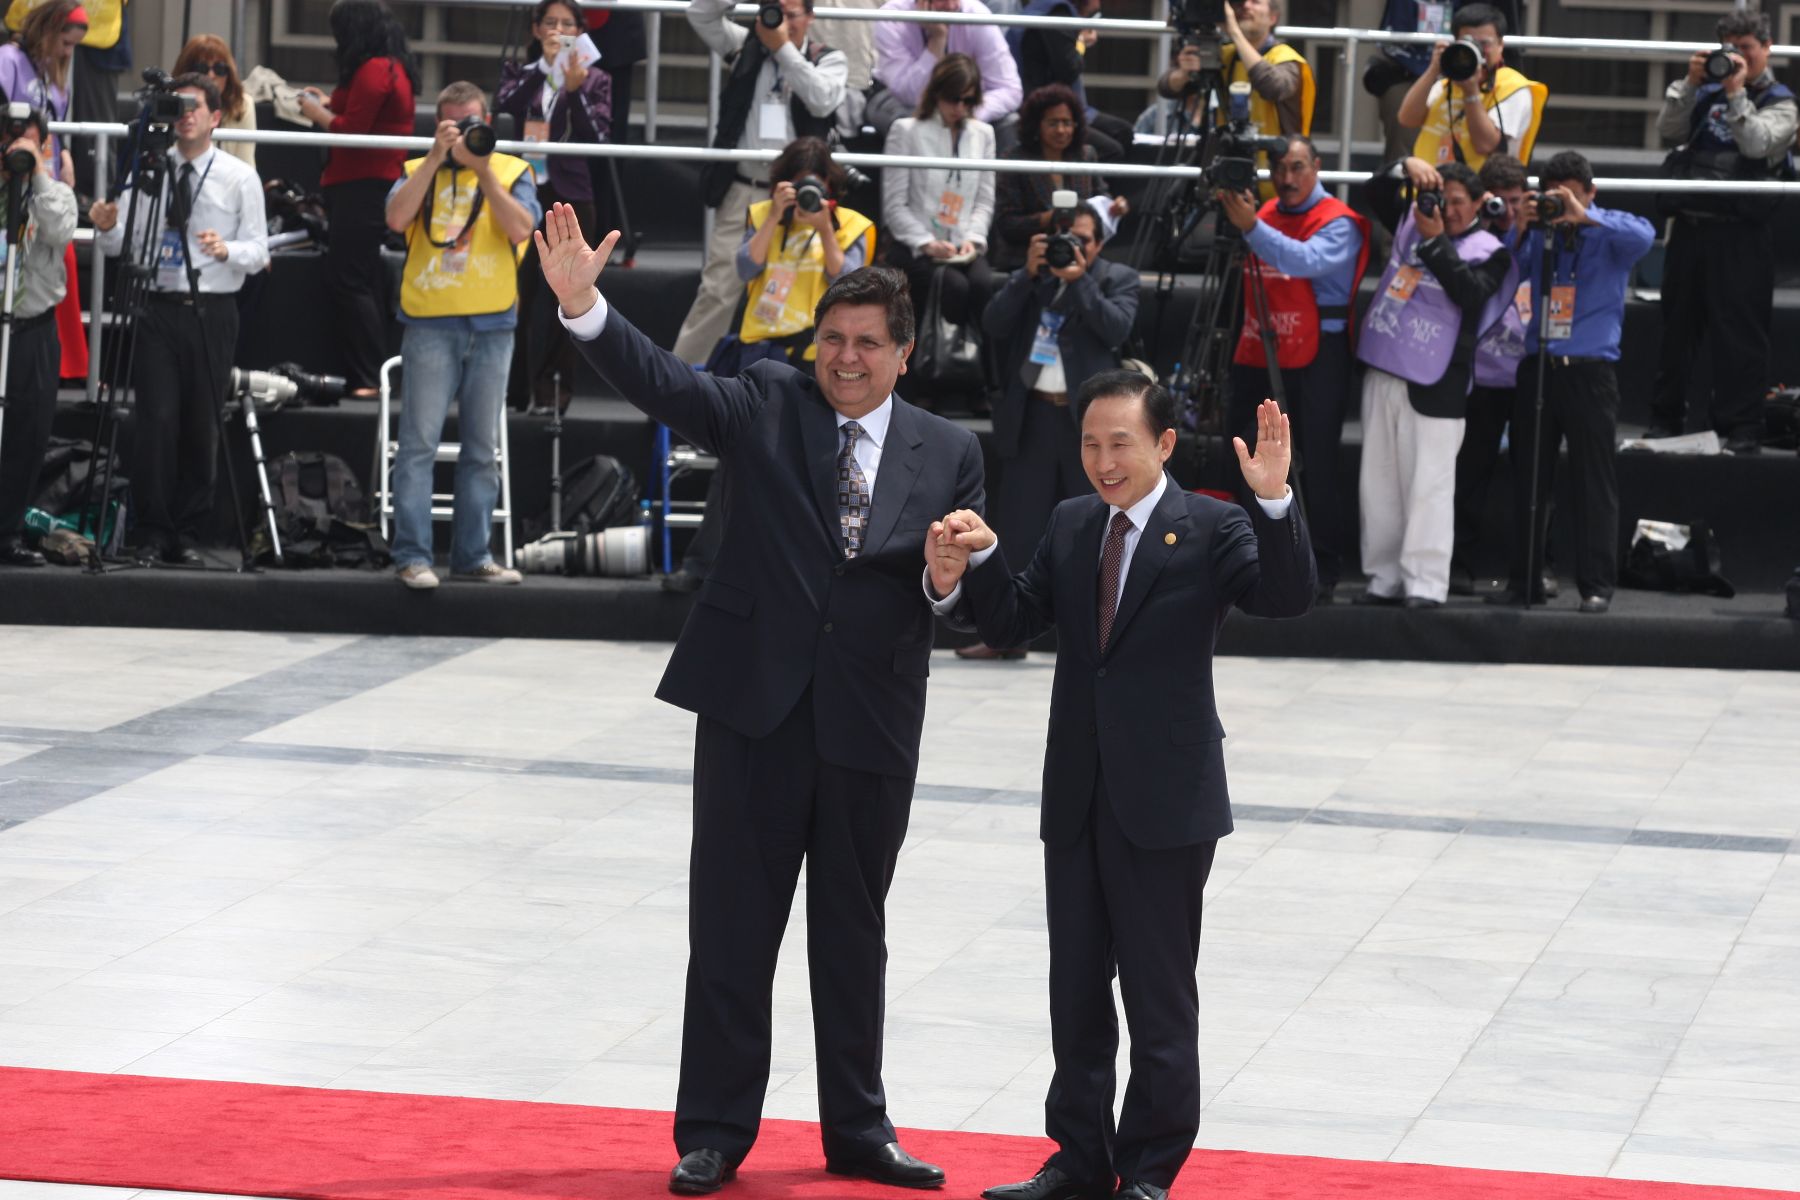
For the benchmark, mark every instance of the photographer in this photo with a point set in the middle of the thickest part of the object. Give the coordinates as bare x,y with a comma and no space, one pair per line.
1497,357
180,339
463,212
1281,82
1719,272
50,215
800,241
1307,252
783,85
1445,283
1052,128
1594,250
1491,110
1053,327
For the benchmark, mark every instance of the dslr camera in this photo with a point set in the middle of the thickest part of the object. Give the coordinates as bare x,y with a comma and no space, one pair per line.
1460,60
478,136
1062,247
1719,65
1233,166
1550,207
21,162
1431,202
769,15
810,193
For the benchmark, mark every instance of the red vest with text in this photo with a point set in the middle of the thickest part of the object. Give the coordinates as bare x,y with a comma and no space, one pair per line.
1293,307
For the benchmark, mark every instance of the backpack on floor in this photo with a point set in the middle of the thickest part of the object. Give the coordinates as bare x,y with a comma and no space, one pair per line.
598,493
321,514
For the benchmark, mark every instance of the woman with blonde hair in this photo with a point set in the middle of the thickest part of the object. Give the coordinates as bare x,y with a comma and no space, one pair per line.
207,54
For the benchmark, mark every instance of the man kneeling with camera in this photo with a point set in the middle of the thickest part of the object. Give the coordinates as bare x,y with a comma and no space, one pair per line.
1446,282
40,221
463,209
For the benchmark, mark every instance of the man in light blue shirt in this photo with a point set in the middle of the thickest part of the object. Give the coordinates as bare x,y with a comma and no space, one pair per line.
1307,252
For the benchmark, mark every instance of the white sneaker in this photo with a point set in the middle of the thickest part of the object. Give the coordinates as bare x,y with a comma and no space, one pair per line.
489,572
418,576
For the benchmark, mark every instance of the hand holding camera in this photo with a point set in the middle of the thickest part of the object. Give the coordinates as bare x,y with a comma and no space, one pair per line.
1428,213
771,26
1557,206
1063,251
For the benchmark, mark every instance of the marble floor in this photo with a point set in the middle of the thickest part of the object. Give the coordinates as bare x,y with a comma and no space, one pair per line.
1542,918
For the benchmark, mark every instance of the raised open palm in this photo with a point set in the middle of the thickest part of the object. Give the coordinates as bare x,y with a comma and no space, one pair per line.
570,268
1266,471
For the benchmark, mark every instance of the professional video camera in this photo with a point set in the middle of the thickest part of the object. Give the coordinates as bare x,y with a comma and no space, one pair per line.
1061,246
1233,166
159,107
478,136
284,383
1720,65
20,162
1460,60
810,193
1198,19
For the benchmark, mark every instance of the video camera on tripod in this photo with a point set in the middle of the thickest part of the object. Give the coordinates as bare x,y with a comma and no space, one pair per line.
160,106
1232,167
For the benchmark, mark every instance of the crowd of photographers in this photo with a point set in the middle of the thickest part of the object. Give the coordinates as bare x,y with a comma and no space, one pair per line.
1016,302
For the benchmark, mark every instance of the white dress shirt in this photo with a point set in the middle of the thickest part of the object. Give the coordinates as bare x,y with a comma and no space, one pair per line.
1139,516
875,422
228,200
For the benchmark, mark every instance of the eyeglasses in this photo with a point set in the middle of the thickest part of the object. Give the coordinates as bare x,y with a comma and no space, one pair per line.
1486,43
1060,123
565,25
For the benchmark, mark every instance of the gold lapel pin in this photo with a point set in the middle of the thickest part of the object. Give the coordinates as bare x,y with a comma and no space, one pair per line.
1169,538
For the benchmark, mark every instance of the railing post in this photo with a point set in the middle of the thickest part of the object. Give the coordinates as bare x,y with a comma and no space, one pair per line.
1347,113
712,123
652,77
97,274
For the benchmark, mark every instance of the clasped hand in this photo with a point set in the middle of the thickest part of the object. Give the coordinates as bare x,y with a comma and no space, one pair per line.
948,545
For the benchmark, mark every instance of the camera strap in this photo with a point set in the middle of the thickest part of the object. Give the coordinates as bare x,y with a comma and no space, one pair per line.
430,200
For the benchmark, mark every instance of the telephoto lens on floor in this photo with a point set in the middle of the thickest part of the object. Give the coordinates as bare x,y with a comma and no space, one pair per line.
621,551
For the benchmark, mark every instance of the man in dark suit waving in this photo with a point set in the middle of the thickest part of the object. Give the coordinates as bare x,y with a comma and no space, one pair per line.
1137,580
805,657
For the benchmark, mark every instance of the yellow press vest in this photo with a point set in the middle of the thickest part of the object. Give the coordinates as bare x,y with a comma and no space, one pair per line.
103,20
780,302
478,272
1263,113
1433,144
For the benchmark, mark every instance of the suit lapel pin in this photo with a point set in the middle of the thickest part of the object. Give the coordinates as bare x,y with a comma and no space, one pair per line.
1169,538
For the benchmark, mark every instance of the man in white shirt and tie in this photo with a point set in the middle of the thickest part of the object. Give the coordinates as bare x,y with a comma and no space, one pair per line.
212,224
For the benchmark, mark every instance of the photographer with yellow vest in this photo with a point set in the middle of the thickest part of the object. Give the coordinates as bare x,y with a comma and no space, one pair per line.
1281,82
465,212
1494,110
796,244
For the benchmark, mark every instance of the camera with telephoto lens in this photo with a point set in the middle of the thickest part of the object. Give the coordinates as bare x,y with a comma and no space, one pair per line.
1460,60
284,383
810,193
17,121
1233,166
478,136
1062,247
621,550
1550,207
769,15
1720,65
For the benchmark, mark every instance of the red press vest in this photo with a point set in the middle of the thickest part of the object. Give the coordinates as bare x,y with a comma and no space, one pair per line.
1293,308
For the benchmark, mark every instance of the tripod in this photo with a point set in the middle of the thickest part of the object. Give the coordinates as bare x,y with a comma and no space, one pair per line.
14,245
138,272
1555,238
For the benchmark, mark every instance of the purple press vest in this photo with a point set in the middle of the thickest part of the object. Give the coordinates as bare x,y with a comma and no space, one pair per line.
1415,338
1502,345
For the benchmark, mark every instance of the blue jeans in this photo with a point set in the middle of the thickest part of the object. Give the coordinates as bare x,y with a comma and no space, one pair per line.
441,366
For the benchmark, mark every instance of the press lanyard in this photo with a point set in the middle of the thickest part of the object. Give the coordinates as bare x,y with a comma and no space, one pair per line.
474,210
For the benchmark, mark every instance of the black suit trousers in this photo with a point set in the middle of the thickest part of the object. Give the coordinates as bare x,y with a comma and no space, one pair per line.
762,807
1118,908
1490,408
175,447
30,408
1718,285
1046,471
1581,404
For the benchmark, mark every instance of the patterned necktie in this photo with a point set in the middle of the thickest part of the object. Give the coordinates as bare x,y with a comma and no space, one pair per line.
1112,561
852,492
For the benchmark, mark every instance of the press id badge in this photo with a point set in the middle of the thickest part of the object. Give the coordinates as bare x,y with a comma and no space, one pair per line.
772,121
454,259
949,210
1561,323
171,258
1044,349
1522,304
538,131
1404,283
1432,18
773,301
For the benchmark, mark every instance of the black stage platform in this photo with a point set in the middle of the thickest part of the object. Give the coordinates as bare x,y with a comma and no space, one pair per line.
1644,629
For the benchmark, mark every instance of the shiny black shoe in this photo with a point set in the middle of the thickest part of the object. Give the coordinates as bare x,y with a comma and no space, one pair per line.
14,553
1417,602
1137,1189
1595,604
701,1173
182,556
1048,1184
890,1165
1379,601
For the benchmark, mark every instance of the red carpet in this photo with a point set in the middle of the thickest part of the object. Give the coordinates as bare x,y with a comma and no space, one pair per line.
190,1135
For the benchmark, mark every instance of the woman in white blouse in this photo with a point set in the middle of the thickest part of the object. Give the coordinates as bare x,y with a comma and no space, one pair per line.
937,220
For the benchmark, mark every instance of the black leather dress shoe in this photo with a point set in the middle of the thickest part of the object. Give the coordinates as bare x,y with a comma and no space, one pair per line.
1048,1184
1595,604
890,1164
1137,1189
701,1173
1416,602
1375,598
14,553
182,556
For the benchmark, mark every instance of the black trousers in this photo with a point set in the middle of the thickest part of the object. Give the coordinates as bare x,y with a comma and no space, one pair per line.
1489,410
1317,397
1718,285
175,445
966,289
1581,405
355,278
1046,471
542,350
30,408
762,807
1117,908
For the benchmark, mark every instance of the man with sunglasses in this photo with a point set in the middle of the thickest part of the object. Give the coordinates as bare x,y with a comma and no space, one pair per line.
1497,110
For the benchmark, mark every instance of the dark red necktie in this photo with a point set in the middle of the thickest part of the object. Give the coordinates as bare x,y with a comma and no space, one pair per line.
1112,561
